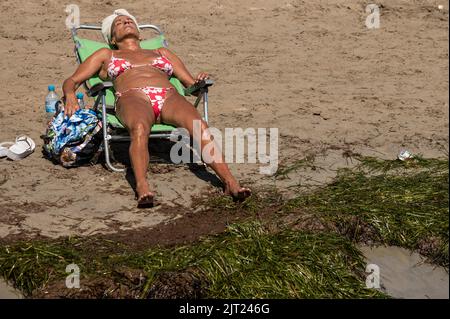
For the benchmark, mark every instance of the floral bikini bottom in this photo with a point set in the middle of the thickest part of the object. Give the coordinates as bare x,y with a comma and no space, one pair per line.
156,95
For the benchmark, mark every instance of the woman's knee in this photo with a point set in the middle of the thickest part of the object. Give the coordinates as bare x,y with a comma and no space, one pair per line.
203,125
139,129
199,126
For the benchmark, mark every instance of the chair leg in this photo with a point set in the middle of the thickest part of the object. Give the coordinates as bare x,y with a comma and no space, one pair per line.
107,137
108,157
204,96
205,106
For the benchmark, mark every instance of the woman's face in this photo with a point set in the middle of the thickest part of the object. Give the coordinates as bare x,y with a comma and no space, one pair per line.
122,27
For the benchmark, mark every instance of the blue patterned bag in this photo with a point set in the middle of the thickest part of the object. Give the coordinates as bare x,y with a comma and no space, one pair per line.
73,141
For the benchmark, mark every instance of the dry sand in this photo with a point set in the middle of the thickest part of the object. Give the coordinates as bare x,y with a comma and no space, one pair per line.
310,68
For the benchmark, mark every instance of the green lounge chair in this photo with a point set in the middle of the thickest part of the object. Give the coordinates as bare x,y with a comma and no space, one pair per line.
103,92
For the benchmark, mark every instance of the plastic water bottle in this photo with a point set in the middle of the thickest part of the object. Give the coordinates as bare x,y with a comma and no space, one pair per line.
50,102
80,100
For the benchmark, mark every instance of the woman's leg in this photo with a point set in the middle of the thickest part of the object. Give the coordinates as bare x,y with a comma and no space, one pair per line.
136,113
179,112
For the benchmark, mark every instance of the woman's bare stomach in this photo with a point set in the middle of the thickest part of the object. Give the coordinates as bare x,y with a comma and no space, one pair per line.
141,77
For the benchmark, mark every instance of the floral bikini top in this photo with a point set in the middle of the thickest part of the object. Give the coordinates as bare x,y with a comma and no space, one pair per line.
118,65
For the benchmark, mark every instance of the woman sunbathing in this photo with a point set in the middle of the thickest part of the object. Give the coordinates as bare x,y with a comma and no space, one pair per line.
144,96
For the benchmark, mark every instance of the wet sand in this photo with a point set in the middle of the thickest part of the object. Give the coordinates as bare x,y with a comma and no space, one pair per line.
8,292
406,275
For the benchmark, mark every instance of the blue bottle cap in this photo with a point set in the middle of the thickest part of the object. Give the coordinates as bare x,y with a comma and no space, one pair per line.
51,87
79,95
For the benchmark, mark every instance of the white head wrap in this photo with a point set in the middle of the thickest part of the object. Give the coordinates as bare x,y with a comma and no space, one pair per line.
108,21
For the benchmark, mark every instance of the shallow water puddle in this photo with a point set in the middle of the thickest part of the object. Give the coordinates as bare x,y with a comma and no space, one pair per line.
8,292
405,275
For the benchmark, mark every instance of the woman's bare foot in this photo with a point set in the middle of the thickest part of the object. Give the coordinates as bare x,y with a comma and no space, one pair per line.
239,193
144,196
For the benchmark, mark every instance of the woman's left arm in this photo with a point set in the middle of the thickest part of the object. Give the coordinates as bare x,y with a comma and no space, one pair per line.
180,70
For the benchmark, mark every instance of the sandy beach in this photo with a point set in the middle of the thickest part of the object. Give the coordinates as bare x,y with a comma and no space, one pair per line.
312,69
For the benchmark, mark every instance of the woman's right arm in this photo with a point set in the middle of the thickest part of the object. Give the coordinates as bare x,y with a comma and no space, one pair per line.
85,71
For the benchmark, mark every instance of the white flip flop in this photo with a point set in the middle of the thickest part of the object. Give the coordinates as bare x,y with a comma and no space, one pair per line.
4,147
23,147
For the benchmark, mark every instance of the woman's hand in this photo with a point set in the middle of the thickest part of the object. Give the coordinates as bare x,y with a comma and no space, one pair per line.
201,76
70,106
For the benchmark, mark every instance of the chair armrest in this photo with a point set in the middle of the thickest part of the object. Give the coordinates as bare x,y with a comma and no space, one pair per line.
201,85
96,89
